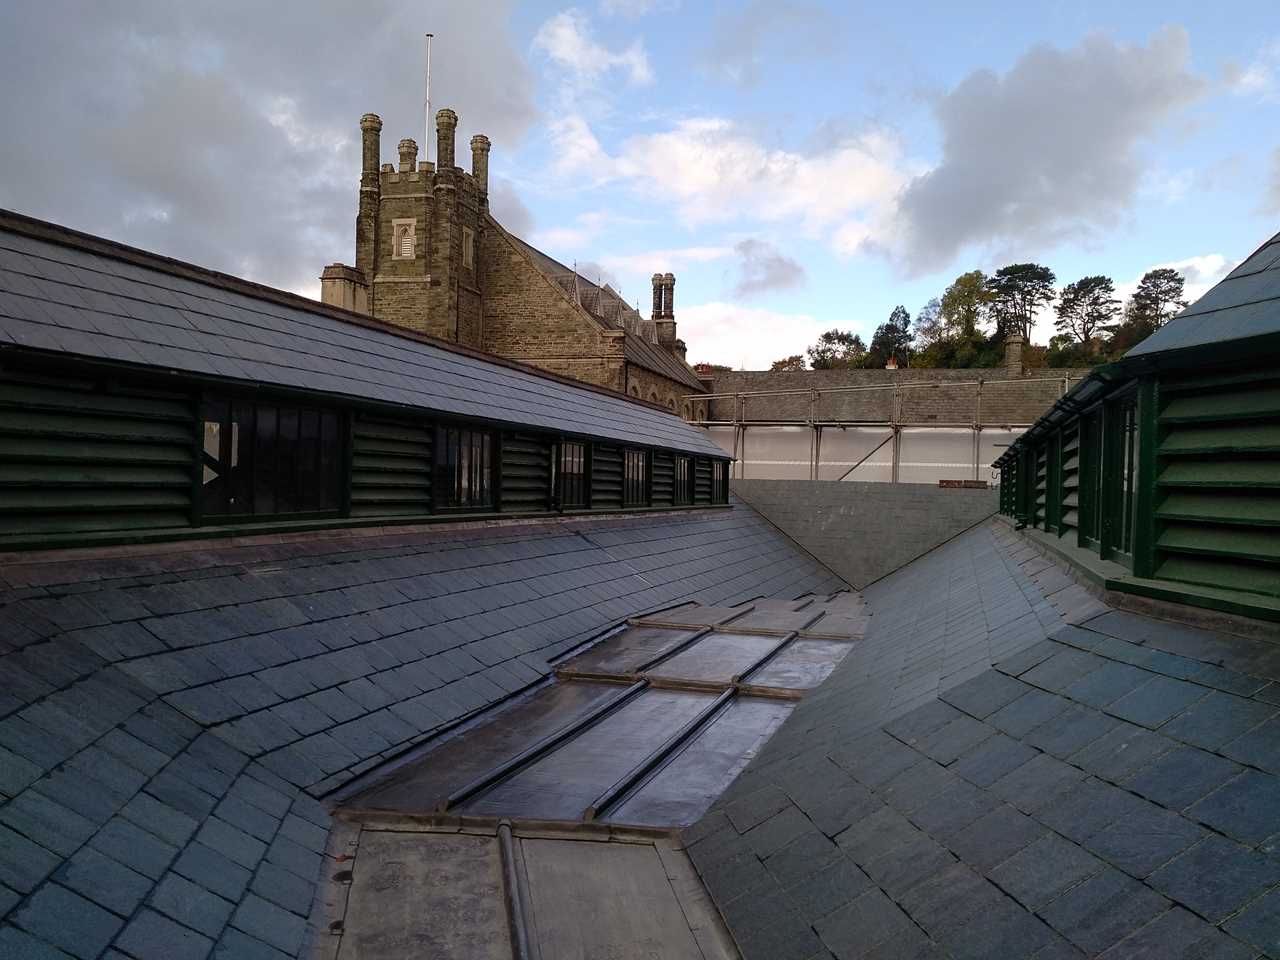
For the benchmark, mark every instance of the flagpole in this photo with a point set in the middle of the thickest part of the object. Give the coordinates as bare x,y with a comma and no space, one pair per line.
426,107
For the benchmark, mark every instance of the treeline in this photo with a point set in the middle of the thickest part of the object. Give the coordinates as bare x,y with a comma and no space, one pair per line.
968,325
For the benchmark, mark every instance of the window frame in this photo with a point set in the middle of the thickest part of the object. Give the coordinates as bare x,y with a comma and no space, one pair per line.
412,224
331,422
632,485
560,475
682,487
468,248
446,473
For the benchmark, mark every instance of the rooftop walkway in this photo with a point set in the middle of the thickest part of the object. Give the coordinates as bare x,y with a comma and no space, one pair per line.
1005,769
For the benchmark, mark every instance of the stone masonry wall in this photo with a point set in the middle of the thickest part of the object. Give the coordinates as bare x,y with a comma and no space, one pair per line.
950,396
647,385
530,319
865,531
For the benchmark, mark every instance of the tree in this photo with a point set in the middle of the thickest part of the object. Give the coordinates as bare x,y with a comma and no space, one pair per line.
892,339
965,303
835,349
1018,292
793,362
930,327
1087,307
1159,296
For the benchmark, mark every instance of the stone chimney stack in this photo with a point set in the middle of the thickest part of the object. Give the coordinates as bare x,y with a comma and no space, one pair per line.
446,125
681,351
664,312
343,286
1013,353
480,147
370,189
408,155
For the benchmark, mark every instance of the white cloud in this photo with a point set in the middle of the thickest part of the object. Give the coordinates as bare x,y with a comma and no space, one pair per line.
662,261
754,337
747,38
1258,78
635,8
567,40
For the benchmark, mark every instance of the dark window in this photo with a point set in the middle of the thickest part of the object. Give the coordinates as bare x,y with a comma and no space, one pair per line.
635,479
268,459
1119,467
573,474
684,481
466,468
719,482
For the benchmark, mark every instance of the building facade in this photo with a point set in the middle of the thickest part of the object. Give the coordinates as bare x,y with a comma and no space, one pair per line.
429,257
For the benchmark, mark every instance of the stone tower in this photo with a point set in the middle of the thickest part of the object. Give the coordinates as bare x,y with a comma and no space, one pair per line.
417,230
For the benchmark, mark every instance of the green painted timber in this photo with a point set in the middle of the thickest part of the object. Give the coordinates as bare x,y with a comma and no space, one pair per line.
1221,573
664,478
701,481
391,466
87,454
526,472
1263,545
1255,438
1247,402
1225,507
606,477
1229,474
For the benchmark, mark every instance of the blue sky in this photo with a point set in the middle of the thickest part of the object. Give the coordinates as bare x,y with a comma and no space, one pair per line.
1186,117
799,166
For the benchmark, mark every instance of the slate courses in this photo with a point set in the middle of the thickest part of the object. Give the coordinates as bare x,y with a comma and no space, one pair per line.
322,638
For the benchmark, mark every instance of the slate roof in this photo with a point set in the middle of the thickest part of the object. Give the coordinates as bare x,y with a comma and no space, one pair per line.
66,293
169,715
1244,304
1111,787
607,306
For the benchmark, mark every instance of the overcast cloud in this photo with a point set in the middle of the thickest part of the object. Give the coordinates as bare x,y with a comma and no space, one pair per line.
1046,152
228,133
763,268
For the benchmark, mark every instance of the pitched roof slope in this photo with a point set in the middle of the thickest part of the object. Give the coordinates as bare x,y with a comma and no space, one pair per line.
67,296
168,716
1108,789
607,306
1244,304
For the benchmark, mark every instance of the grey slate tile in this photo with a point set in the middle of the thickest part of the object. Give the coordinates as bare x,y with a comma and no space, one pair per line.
1003,930
191,905
150,934
16,945
869,920
1246,808
911,864
1109,682
212,870
46,822
1259,924
746,812
950,899
271,924
1036,782
236,945
1103,910
878,835
68,921
1218,718
1182,776
134,847
1087,808
984,694
1173,934
1039,872
283,888
992,759
1139,843
1216,877
1156,701
1029,711
1117,754
827,889
23,864
995,837
1260,747
109,883
954,738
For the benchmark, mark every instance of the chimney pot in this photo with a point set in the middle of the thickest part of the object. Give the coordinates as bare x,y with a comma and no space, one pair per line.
446,124
657,296
480,147
370,128
1013,353
408,155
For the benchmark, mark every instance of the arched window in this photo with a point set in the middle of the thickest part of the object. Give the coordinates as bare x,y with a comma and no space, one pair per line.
635,391
653,396
688,411
402,239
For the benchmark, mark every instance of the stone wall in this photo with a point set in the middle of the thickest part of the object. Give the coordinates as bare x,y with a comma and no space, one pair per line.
947,396
865,531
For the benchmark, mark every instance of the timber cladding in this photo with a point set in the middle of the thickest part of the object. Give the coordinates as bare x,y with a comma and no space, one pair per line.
106,458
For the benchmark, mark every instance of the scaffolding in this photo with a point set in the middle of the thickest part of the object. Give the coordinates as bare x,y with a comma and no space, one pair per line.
923,431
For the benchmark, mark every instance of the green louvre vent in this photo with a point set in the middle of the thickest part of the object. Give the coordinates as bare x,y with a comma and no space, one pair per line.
1070,520
390,467
1041,488
526,472
701,481
664,479
606,477
1218,482
84,456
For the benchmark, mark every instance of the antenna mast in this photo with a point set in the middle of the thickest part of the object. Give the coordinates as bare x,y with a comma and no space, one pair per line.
426,106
